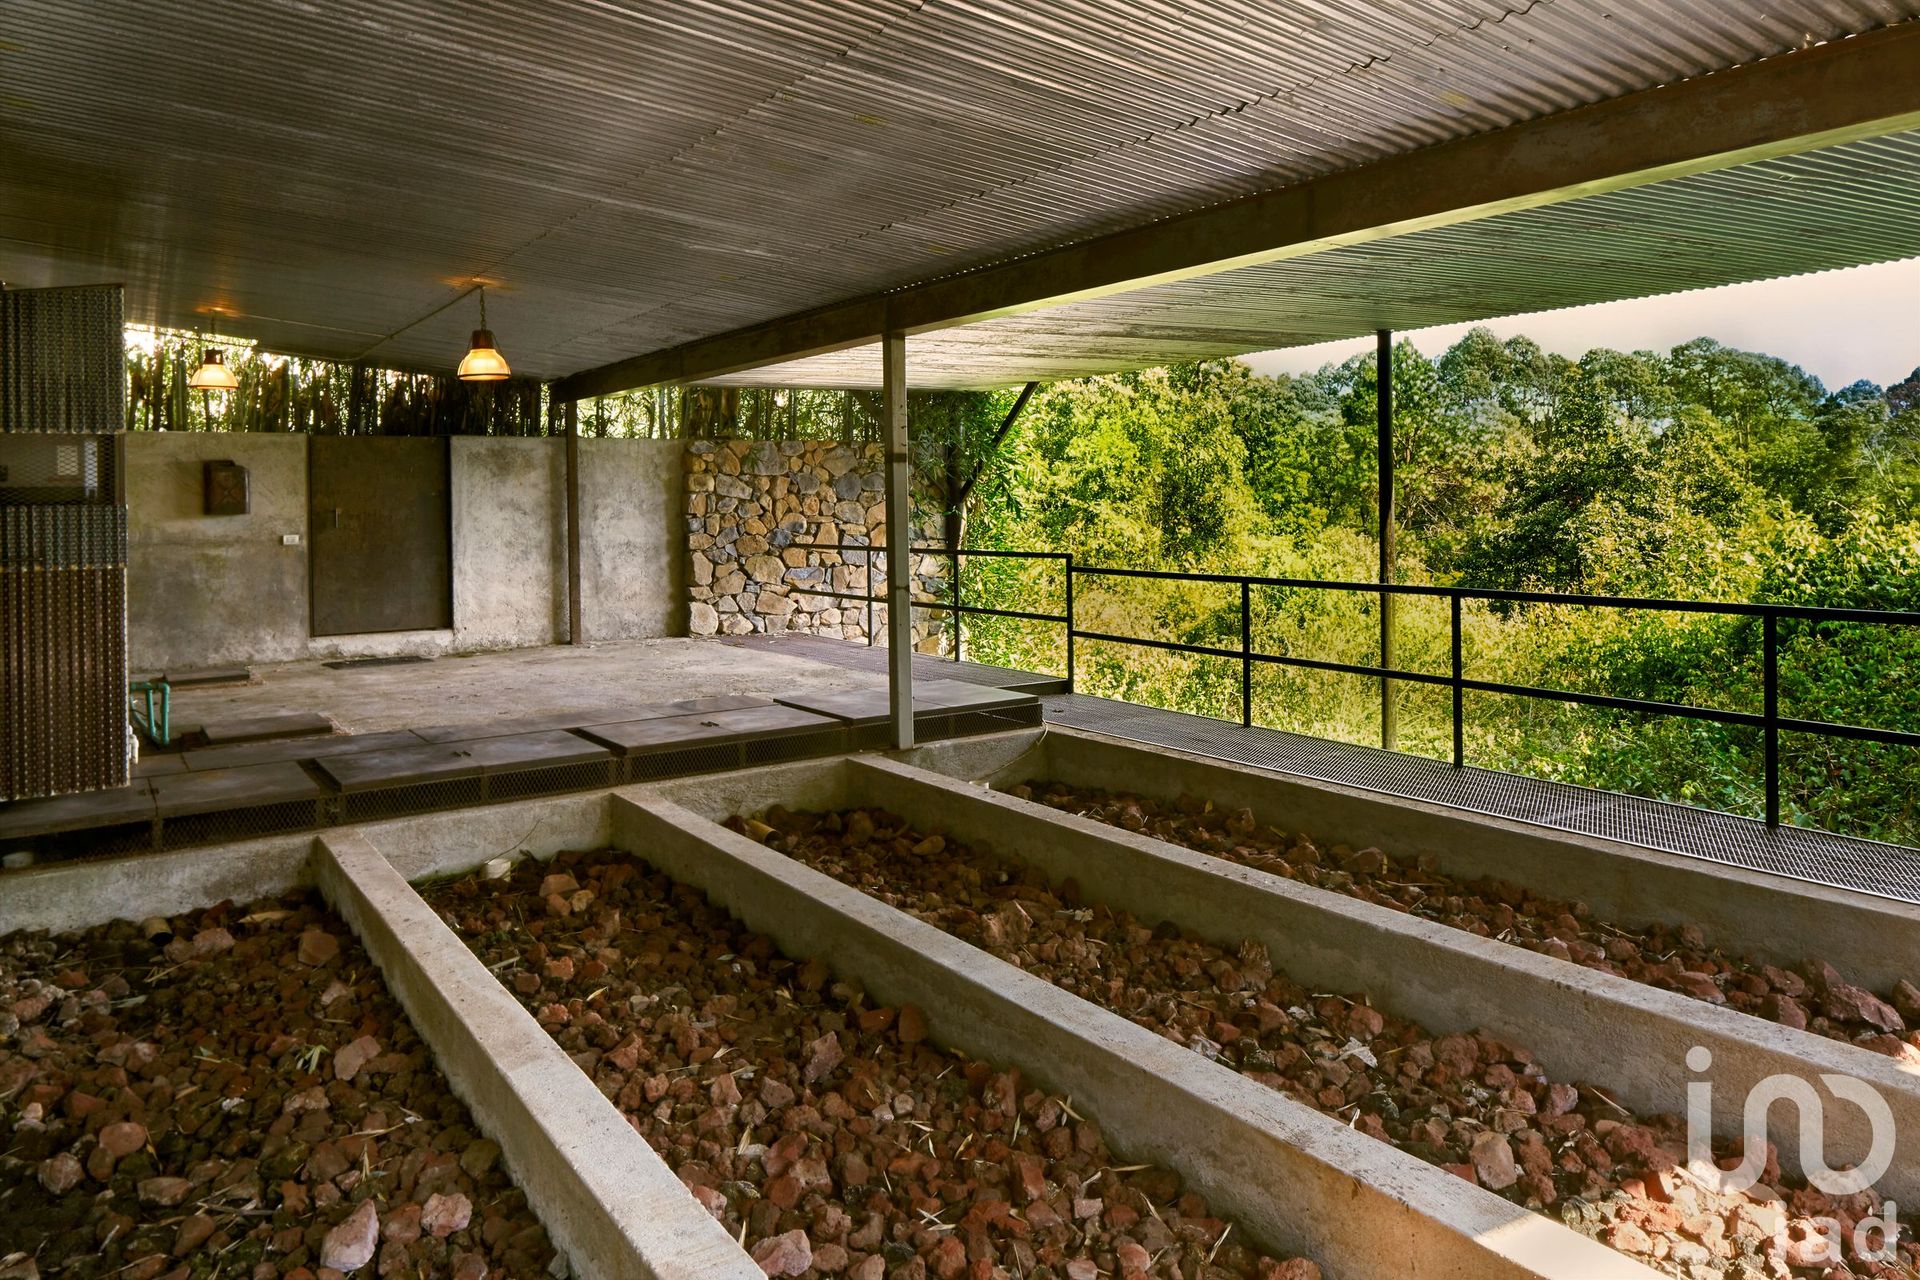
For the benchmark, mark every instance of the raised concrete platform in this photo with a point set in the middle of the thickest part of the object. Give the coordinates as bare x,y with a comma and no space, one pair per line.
717,728
295,749
128,804
213,790
250,788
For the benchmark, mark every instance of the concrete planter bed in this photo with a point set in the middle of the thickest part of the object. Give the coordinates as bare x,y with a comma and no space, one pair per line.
1874,942
819,1128
1477,1106
1575,1016
233,1091
1810,996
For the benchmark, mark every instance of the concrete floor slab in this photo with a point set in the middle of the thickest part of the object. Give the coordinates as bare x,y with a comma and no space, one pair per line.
582,717
474,690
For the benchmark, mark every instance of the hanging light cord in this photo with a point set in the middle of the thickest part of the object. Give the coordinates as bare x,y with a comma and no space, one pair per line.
483,306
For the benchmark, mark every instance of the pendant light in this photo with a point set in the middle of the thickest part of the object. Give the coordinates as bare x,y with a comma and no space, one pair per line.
213,374
483,362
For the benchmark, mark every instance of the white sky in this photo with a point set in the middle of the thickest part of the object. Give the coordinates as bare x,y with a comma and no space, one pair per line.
1840,326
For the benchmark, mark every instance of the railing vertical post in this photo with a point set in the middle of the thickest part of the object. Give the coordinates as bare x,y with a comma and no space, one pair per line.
1246,653
869,566
1069,576
1770,695
1459,693
956,604
1383,426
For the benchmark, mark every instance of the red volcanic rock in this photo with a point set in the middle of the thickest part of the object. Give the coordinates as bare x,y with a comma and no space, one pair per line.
830,1136
218,1098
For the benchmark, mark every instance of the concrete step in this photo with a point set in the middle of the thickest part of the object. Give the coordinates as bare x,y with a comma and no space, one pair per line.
289,724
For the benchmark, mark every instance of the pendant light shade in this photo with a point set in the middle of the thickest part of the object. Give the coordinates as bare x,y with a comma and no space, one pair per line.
213,374
483,362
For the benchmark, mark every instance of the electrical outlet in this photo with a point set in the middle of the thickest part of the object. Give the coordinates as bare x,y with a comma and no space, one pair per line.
289,539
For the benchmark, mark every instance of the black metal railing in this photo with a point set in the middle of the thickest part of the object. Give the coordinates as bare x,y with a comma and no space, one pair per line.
1768,720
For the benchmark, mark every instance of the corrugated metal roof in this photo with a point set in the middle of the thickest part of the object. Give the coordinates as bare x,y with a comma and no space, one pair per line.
1839,207
637,175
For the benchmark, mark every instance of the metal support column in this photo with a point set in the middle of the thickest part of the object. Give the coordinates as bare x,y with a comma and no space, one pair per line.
573,523
1383,427
893,359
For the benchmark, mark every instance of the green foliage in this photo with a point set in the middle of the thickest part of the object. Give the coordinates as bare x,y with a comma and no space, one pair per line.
1701,473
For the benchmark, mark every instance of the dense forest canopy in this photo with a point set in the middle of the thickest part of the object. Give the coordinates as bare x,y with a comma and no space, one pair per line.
1703,472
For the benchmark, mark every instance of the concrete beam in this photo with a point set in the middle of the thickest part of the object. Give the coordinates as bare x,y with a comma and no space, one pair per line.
79,895
607,1200
1850,89
1296,1180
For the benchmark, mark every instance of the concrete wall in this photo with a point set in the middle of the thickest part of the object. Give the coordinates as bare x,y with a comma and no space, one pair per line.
509,543
211,590
632,560
219,590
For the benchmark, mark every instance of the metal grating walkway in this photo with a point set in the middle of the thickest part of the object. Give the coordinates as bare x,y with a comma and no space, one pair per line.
1845,862
1891,871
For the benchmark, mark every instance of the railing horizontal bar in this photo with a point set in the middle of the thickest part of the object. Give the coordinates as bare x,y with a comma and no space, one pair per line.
991,555
1166,575
1681,709
1350,668
1171,646
930,551
986,612
1477,686
1828,729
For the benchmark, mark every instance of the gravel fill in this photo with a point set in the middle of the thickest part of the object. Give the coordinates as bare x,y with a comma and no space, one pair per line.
1812,996
820,1130
1480,1107
234,1093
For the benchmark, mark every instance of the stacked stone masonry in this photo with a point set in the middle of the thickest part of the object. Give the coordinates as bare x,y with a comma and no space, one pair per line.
750,501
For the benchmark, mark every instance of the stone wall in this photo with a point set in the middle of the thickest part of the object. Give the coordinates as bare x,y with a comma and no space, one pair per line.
749,501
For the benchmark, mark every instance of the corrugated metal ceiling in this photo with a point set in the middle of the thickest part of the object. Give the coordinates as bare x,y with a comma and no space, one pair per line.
1839,207
639,175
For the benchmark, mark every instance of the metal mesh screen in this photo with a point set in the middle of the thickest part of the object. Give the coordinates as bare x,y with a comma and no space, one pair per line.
63,649
63,360
63,543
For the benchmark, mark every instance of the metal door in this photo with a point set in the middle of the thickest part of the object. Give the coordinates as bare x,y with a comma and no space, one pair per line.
380,534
